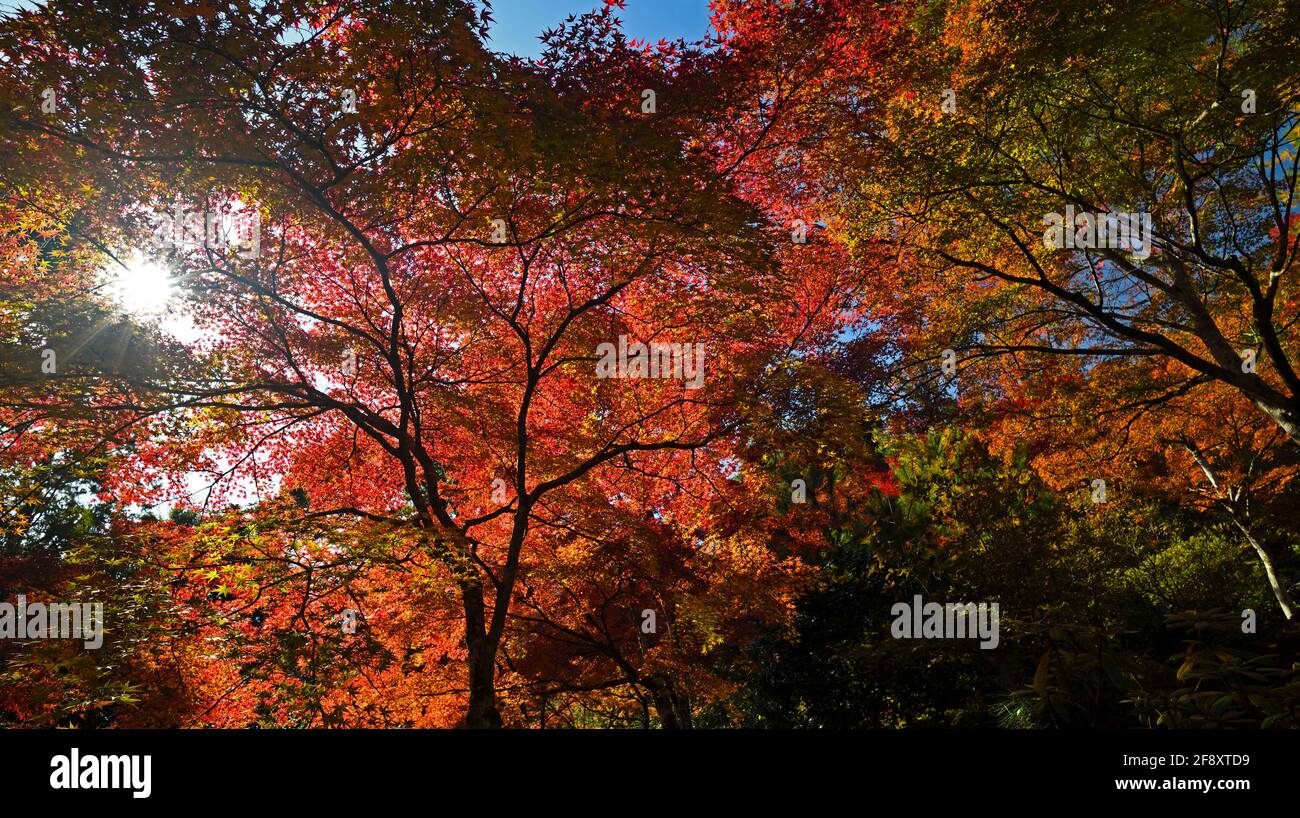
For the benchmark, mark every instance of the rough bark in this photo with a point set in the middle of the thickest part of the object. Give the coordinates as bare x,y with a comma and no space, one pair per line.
481,711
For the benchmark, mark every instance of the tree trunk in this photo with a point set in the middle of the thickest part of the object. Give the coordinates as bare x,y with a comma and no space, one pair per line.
482,710
664,707
673,708
1279,588
1285,418
1229,501
683,704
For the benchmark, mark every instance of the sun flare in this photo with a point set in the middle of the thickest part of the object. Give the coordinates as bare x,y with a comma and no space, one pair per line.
142,287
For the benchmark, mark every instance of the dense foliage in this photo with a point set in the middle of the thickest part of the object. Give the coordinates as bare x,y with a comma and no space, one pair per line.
388,483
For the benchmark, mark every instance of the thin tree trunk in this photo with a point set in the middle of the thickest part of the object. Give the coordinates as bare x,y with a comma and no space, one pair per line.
682,703
1229,501
1279,588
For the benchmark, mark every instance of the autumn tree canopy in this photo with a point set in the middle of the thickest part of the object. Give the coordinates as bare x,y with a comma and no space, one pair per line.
635,384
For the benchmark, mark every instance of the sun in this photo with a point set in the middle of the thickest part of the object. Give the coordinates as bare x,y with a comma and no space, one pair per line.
142,287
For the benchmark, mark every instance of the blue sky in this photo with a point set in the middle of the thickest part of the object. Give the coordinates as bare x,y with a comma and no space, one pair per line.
519,22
